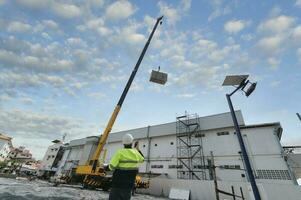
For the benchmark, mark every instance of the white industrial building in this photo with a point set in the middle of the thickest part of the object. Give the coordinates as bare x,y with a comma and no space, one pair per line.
186,152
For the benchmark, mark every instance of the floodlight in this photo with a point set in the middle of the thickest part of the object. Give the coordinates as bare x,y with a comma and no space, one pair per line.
250,89
234,80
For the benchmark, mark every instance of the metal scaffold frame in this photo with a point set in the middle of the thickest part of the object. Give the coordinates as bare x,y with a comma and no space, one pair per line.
190,155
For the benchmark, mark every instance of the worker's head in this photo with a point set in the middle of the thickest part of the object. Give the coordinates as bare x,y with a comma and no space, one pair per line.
127,140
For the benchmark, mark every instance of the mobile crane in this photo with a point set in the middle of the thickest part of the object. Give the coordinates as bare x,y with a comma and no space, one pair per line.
93,174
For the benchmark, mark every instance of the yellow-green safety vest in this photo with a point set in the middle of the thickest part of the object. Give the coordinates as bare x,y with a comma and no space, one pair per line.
126,159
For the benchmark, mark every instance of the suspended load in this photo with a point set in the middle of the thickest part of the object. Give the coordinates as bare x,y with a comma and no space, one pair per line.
158,77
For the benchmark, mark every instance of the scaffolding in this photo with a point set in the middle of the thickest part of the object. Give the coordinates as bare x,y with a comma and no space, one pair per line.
190,155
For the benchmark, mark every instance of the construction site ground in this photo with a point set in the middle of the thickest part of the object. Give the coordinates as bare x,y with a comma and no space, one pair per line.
12,189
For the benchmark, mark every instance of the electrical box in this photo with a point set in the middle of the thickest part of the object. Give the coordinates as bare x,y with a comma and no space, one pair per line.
158,77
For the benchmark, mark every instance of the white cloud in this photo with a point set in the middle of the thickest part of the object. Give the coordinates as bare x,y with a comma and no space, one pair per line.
202,76
67,11
129,34
273,63
235,26
297,34
220,54
219,9
276,10
17,26
185,4
98,3
98,25
270,45
276,25
186,95
34,4
2,2
299,54
97,95
171,14
119,10
247,37
33,62
50,24
95,23
298,3
275,83
204,46
210,50
136,86
76,41
11,80
33,126
27,100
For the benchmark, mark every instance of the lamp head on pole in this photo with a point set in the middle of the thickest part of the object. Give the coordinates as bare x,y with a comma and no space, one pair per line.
241,83
250,89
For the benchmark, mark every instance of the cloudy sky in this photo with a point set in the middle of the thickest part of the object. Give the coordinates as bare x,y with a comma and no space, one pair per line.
63,64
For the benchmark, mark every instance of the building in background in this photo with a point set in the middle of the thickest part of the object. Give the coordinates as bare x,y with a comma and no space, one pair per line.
5,147
77,152
20,155
52,159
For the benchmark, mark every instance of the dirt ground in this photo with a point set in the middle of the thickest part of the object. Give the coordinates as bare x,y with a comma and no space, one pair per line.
11,189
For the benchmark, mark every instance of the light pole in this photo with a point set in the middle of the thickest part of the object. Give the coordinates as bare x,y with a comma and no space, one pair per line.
241,82
298,116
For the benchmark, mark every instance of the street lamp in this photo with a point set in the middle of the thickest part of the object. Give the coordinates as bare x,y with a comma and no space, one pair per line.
241,83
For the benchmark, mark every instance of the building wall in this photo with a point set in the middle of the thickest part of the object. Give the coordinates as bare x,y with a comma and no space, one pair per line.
77,152
159,145
264,149
50,156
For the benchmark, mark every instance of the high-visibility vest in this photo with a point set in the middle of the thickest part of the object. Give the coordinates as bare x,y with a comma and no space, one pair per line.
126,159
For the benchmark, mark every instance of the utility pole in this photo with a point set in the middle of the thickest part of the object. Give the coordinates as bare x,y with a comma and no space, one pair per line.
298,116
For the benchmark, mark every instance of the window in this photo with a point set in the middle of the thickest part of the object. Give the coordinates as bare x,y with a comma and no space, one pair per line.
199,135
222,133
156,166
229,166
171,143
200,166
175,166
273,174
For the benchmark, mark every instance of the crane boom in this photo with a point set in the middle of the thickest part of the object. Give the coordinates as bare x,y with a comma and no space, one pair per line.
92,165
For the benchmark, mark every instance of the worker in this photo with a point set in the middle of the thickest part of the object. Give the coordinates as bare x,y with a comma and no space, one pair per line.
125,164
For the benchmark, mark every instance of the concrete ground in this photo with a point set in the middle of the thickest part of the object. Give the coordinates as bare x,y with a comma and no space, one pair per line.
11,189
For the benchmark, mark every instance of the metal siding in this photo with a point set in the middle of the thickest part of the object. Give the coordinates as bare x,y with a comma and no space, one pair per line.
208,122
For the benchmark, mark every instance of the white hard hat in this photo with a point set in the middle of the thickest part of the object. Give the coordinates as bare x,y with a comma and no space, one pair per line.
127,139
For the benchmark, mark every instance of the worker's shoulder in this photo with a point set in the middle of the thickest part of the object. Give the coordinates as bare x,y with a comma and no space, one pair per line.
123,150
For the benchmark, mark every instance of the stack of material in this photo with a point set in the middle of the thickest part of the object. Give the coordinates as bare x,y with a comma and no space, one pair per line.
158,77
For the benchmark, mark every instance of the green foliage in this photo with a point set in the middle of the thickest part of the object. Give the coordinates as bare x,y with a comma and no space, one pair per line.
3,164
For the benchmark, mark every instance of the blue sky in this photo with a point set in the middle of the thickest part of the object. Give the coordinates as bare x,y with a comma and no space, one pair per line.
63,64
